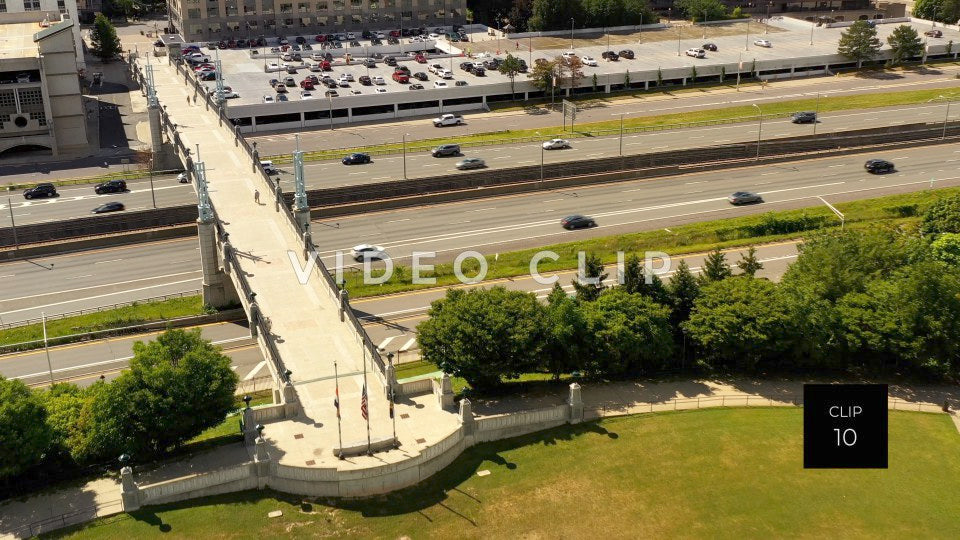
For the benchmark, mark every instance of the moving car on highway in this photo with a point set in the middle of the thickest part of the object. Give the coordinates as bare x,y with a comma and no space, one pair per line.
804,117
108,207
368,252
878,166
471,163
744,197
356,159
556,144
40,190
446,150
110,186
577,221
762,43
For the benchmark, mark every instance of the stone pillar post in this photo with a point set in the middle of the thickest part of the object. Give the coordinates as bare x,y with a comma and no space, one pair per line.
575,401
249,427
466,416
303,218
307,237
217,290
261,460
445,393
391,376
290,401
130,492
344,300
254,316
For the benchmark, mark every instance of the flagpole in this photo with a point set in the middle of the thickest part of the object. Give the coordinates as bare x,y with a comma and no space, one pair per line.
369,445
393,415
336,378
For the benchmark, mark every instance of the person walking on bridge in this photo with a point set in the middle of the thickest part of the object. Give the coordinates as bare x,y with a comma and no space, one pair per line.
256,196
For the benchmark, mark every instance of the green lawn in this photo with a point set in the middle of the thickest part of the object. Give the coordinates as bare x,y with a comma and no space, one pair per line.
591,129
716,473
902,209
104,320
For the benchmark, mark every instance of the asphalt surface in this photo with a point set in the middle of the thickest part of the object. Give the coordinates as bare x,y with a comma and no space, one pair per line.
95,278
78,201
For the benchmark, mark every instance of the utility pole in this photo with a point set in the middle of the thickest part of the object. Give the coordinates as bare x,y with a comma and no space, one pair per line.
16,242
153,194
816,116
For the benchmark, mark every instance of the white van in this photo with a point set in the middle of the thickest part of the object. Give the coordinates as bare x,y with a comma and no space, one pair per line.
269,167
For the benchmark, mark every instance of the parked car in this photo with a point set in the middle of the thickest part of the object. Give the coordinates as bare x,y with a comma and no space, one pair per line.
390,61
577,221
446,74
227,93
307,84
306,94
446,150
331,94
367,252
478,71
589,61
568,55
377,79
401,77
292,70
556,144
762,43
269,99
380,90
415,86
420,58
626,53
370,63
420,76
282,97
804,117
471,163
356,159
207,75
108,207
610,56
744,197
696,52
280,89
878,166
933,33
290,81
709,47
439,84
110,186
40,190
459,83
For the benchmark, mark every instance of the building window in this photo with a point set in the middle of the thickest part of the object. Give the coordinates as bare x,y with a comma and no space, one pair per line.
8,102
356,4
267,7
322,21
356,19
62,6
31,5
286,8
3,6
337,5
31,99
249,7
287,23
193,13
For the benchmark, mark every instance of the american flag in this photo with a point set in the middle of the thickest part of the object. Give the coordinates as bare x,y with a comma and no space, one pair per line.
363,403
391,403
336,402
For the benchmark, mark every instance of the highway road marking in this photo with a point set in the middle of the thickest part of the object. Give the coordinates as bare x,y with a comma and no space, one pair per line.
697,182
78,277
484,209
407,345
102,295
692,192
832,166
107,262
8,275
769,173
553,200
256,369
104,285
398,220
383,344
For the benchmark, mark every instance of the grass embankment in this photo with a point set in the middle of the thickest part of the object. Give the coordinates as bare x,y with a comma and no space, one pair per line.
136,313
692,238
592,129
227,431
714,473
96,179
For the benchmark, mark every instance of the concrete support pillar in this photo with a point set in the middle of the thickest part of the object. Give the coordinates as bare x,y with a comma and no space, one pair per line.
575,401
344,301
606,89
444,393
291,403
253,317
249,427
391,376
684,81
130,492
302,216
646,85
261,462
156,130
218,291
466,416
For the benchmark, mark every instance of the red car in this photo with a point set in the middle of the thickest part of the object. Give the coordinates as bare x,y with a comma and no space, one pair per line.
232,44
285,48
320,38
325,65
401,77
420,58
307,84
395,33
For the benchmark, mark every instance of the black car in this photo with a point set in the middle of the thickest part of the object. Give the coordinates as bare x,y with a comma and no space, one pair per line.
744,197
627,53
356,159
577,221
420,76
365,80
108,207
709,47
611,56
40,190
493,63
466,66
301,40
878,166
110,186
390,61
478,71
805,117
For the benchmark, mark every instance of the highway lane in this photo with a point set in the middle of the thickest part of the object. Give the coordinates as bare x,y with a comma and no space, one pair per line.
508,223
78,201
88,279
83,363
670,101
493,225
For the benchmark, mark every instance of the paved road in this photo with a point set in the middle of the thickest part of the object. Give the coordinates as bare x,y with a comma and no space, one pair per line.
495,225
78,201
653,104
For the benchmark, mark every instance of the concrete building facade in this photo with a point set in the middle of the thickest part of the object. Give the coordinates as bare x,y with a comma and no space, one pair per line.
13,11
40,101
212,20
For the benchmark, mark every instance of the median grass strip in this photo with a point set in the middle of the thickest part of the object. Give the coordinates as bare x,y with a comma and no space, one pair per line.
591,129
96,179
903,209
712,473
136,313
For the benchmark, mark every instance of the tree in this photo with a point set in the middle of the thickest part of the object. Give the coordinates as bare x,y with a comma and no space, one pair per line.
177,386
739,322
693,74
64,403
694,9
715,267
684,291
737,13
543,74
510,67
659,76
749,263
859,42
947,11
520,13
571,68
638,280
943,216
592,270
638,12
946,248
553,14
594,81
905,43
565,329
626,334
104,42
484,335
24,433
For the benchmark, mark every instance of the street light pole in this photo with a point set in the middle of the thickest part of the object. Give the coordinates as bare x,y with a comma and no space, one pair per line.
759,129
766,22
153,194
816,116
679,33
571,33
945,117
16,242
46,346
704,24
746,45
541,160
330,110
405,155
640,39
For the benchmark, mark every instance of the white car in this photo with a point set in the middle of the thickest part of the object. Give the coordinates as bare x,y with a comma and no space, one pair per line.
762,43
269,99
346,77
446,74
351,36
696,52
306,94
377,79
318,56
568,55
439,84
380,90
381,35
273,66
229,94
589,61
367,252
556,144
434,35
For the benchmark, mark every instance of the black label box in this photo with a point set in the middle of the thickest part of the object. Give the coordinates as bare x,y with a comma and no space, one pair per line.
845,426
